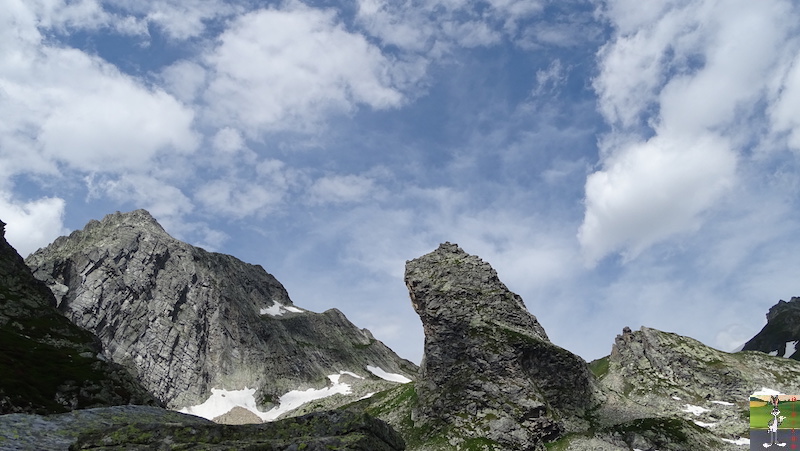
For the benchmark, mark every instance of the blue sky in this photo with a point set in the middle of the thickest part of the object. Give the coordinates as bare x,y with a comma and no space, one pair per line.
619,163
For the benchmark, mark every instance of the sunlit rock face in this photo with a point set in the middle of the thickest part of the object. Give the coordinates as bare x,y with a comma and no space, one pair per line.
48,364
185,320
489,370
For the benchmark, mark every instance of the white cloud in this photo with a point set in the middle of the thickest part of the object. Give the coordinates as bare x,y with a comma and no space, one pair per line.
161,199
341,189
178,19
238,199
63,106
228,140
285,69
550,79
651,191
680,89
785,111
435,27
184,79
34,224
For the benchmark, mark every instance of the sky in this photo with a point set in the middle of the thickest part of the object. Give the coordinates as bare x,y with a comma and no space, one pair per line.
619,163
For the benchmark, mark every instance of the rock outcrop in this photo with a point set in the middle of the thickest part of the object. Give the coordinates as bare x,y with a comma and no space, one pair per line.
670,375
48,364
781,335
491,380
185,320
489,374
147,428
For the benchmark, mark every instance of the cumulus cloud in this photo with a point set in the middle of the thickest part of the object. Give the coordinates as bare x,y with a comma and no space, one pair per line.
651,191
33,224
284,69
184,80
64,106
162,199
228,140
177,19
681,89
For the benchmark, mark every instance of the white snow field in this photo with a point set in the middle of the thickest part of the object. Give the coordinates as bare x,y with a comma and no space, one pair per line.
278,309
393,377
222,401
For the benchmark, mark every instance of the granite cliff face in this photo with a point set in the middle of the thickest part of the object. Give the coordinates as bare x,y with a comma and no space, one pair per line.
185,320
48,364
489,371
781,336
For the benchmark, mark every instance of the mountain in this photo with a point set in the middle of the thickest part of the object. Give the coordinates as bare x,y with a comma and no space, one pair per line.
203,331
214,336
48,364
490,378
781,335
681,377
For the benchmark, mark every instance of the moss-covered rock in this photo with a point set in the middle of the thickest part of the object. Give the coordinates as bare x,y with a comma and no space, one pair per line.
330,430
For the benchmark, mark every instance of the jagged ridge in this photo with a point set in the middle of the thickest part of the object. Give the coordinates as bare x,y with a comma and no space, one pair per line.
185,320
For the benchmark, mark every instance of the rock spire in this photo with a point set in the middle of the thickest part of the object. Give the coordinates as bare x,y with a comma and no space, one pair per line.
489,372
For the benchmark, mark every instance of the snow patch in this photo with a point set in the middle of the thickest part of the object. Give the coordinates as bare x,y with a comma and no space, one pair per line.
766,392
297,398
696,410
704,425
773,353
676,398
222,401
393,377
791,347
349,373
278,309
723,403
739,441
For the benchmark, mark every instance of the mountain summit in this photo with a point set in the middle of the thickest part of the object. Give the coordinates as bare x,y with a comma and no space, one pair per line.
781,335
194,325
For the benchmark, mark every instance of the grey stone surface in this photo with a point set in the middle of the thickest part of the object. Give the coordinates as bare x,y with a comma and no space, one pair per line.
330,430
666,373
48,364
185,320
151,428
57,432
488,370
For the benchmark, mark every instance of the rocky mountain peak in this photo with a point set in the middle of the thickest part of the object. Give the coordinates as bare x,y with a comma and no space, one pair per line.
448,279
488,370
783,307
781,335
186,321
